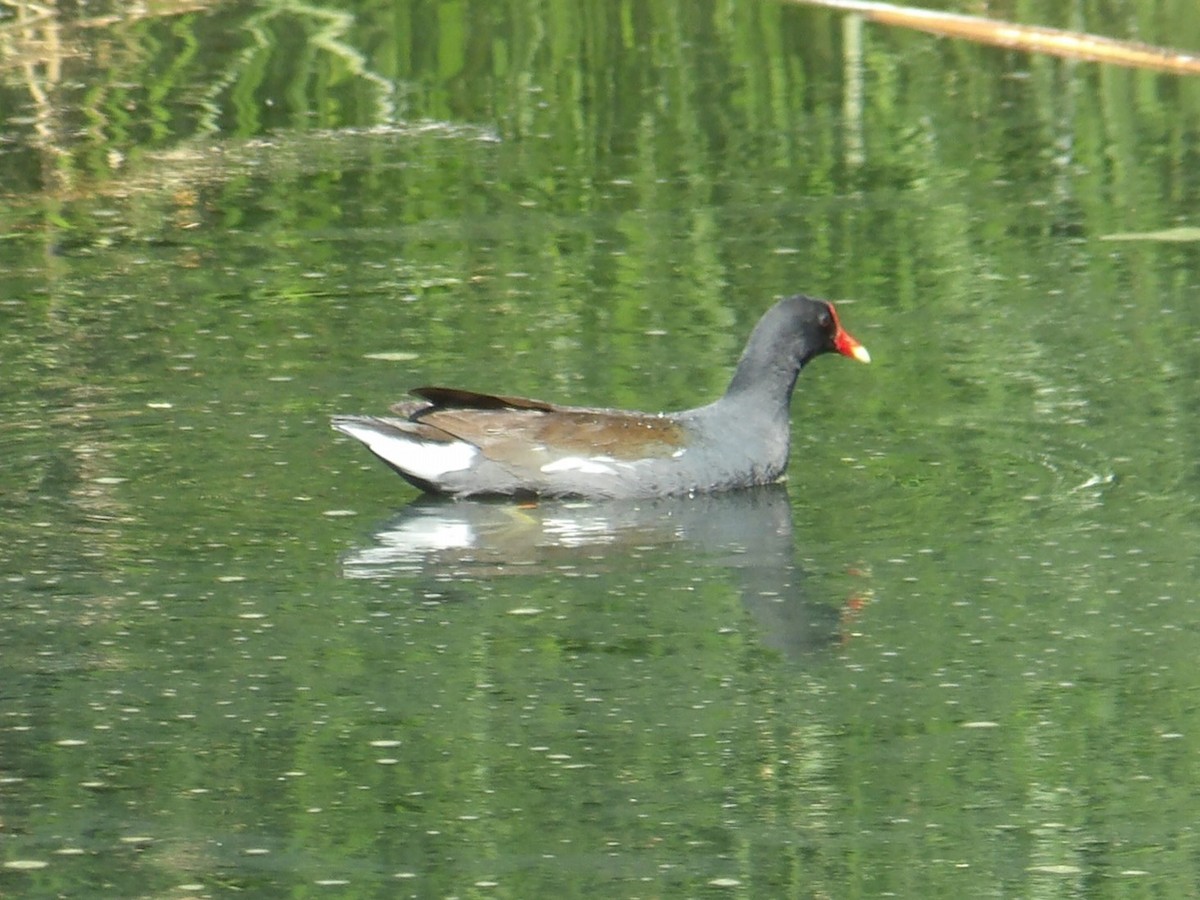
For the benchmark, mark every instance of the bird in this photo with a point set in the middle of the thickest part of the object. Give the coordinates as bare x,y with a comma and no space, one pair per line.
461,443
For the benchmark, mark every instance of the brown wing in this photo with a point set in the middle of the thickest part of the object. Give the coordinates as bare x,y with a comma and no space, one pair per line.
525,432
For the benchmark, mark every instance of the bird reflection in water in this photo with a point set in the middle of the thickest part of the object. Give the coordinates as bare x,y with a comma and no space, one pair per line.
747,533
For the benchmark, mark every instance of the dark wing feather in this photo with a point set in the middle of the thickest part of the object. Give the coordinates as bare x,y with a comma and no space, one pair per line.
460,399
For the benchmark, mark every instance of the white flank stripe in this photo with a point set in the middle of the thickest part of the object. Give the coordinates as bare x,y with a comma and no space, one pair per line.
595,465
425,459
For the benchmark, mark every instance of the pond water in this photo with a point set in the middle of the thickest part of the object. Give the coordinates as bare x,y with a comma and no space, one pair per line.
954,656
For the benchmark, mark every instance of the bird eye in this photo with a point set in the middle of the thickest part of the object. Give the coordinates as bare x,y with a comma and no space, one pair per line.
824,320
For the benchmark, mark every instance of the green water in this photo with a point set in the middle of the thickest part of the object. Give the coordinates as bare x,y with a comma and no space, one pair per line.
955,657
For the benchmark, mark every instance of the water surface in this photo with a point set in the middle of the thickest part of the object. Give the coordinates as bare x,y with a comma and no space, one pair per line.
953,656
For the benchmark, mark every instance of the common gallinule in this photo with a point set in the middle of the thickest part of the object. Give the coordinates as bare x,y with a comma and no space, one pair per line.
463,444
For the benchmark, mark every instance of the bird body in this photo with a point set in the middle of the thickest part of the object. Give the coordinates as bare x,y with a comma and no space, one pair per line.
463,443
